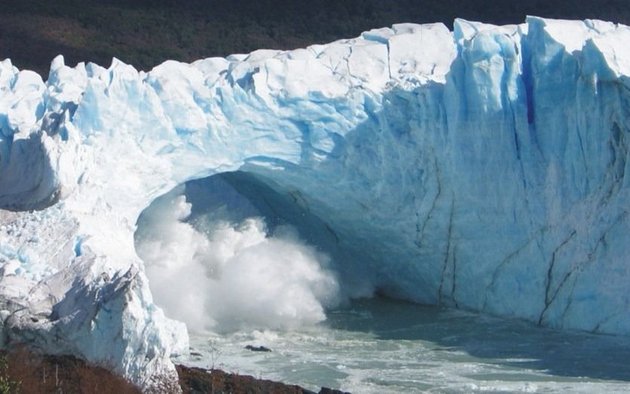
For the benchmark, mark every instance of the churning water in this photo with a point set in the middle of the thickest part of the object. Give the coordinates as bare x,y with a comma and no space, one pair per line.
385,346
221,256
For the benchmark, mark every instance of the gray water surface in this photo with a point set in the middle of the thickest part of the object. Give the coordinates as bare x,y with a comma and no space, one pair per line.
387,346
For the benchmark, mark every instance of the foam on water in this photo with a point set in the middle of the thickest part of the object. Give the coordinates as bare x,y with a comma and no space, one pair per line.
383,346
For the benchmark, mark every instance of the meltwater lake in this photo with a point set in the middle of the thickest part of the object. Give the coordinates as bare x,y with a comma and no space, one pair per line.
387,346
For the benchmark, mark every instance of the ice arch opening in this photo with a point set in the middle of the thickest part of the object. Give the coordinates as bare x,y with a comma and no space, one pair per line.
236,250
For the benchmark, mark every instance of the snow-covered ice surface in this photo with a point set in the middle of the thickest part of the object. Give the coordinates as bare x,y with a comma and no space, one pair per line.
483,168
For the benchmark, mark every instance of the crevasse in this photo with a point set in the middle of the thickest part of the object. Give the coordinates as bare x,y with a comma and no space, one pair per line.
483,168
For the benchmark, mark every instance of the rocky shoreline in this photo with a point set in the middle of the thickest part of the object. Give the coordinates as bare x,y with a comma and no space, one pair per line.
197,381
28,372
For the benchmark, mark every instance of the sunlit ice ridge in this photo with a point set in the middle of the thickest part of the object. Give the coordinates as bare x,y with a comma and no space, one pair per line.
482,169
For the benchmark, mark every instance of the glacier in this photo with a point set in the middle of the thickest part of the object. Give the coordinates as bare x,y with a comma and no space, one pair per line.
483,168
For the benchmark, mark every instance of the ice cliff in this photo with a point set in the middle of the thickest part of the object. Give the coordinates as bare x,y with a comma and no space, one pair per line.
483,168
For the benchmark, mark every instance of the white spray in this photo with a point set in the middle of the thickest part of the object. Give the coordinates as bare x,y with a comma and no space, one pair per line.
230,276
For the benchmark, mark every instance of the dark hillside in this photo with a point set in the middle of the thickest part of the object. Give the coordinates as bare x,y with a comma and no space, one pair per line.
147,32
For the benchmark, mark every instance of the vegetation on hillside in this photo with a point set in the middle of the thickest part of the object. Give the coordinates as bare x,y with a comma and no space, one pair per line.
7,385
147,32
23,371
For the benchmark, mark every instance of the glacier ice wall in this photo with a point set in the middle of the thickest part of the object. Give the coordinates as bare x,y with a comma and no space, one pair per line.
482,168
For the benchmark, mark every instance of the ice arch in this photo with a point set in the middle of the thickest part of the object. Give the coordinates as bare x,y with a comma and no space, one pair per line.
483,168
